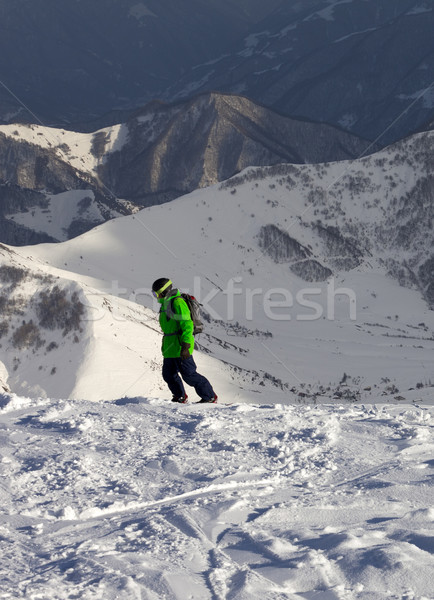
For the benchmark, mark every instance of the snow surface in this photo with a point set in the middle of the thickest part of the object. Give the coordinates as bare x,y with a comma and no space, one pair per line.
349,36
422,8
138,498
140,10
425,94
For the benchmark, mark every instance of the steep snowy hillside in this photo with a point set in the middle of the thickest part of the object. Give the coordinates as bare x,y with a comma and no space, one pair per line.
301,269
3,379
64,339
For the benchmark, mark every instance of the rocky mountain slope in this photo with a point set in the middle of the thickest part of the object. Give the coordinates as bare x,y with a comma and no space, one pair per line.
174,149
76,60
360,64
363,65
56,184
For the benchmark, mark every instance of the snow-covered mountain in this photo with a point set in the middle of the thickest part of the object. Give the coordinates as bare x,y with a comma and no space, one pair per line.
311,275
177,148
49,189
56,184
317,290
357,64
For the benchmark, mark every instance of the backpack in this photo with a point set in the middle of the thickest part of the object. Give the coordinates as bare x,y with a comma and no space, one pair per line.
194,307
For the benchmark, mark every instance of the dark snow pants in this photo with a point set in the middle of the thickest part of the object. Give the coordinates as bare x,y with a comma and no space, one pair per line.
173,368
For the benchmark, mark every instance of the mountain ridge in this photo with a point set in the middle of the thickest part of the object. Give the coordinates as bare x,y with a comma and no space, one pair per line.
213,136
104,55
360,64
342,64
162,152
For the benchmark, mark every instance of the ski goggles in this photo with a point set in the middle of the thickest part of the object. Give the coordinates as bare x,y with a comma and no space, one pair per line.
158,293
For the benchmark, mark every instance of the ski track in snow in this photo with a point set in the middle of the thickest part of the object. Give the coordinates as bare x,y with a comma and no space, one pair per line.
138,498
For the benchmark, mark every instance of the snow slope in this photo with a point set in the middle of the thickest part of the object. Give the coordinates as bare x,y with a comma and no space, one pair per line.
59,212
50,189
65,339
74,148
132,499
280,333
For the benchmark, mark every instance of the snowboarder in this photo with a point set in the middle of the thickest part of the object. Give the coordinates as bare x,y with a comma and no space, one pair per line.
178,344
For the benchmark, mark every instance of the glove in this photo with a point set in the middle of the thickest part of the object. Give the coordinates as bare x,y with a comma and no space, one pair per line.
185,350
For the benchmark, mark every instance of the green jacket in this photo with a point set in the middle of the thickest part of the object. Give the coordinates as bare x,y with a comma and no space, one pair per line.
177,326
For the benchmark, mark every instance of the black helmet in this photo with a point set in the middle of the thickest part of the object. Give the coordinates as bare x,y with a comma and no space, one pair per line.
161,286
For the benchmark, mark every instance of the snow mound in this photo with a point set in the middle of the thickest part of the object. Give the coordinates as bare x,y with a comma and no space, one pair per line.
62,338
